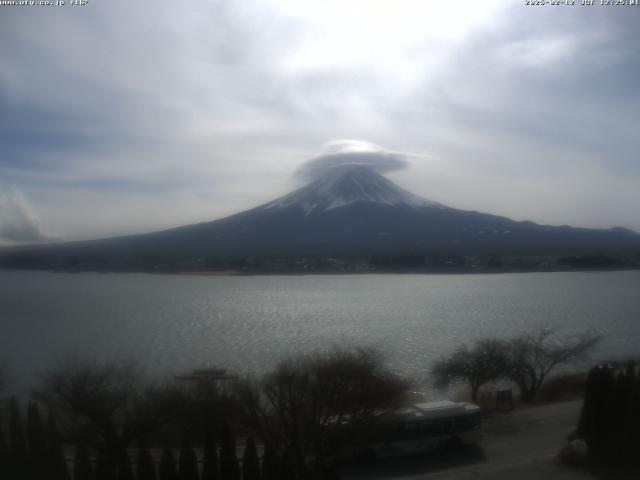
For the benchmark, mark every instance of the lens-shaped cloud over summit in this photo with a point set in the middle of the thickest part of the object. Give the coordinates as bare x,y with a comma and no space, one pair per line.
341,154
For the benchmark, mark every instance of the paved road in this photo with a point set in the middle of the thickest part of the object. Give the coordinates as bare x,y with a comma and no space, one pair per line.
525,439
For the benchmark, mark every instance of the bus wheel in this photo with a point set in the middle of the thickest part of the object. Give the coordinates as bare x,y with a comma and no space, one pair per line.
453,443
367,455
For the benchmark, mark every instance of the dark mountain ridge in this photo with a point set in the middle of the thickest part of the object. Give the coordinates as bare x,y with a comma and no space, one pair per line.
352,213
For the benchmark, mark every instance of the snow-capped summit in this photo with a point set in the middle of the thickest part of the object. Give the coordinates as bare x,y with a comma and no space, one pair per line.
347,186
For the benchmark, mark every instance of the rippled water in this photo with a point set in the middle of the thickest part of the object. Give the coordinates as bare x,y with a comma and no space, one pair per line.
176,322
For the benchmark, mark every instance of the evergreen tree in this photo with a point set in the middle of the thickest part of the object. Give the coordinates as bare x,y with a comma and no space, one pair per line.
16,435
606,442
56,462
610,419
597,439
82,469
105,469
619,413
168,470
229,468
210,459
36,434
125,472
188,462
250,464
4,449
287,466
633,422
585,423
5,458
145,467
37,445
270,464
628,406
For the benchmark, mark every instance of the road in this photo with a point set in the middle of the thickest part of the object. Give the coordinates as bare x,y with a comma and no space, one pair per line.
522,442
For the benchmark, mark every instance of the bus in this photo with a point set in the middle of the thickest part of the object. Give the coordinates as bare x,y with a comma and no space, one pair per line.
421,428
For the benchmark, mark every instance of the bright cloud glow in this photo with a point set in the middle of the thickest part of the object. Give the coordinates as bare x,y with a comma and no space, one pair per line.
339,154
404,40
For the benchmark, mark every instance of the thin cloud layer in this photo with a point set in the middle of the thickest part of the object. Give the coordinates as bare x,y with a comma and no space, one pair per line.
18,222
341,154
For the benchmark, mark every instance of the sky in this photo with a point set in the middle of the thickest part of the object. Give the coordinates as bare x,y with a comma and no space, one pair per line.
121,117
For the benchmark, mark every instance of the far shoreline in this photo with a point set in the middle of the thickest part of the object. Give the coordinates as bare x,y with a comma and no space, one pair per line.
297,273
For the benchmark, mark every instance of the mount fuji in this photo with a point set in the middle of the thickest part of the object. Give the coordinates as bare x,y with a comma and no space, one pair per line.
352,212
348,186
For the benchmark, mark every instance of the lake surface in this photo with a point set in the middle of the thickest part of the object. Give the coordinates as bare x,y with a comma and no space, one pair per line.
173,323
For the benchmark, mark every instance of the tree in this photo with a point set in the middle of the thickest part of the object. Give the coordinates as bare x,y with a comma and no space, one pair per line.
632,411
20,461
125,471
633,416
36,434
145,469
16,434
533,356
229,468
610,418
187,462
250,464
288,468
270,464
82,469
36,438
485,362
56,462
6,467
210,458
201,403
168,470
105,466
310,407
106,403
4,449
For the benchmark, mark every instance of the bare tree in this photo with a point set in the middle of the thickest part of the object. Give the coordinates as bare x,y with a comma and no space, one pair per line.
484,362
310,406
533,356
107,404
203,405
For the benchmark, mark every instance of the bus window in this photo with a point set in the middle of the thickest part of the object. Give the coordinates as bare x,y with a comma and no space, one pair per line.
410,430
435,428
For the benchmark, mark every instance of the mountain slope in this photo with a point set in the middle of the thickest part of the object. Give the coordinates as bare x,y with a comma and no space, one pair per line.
347,187
354,212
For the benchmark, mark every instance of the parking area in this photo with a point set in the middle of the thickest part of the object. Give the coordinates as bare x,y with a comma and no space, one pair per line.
518,445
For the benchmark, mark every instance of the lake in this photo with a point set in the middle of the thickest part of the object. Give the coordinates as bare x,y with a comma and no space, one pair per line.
173,323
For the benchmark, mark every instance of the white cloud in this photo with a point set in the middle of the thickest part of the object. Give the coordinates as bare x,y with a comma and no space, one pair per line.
18,221
340,154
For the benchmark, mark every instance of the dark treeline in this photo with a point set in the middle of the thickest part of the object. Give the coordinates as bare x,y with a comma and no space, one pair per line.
104,421
610,419
42,455
31,450
400,263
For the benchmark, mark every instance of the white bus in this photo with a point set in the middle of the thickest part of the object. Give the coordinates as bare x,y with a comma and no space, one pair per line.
421,428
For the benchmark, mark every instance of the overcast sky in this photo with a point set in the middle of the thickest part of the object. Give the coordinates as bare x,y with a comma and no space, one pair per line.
124,117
